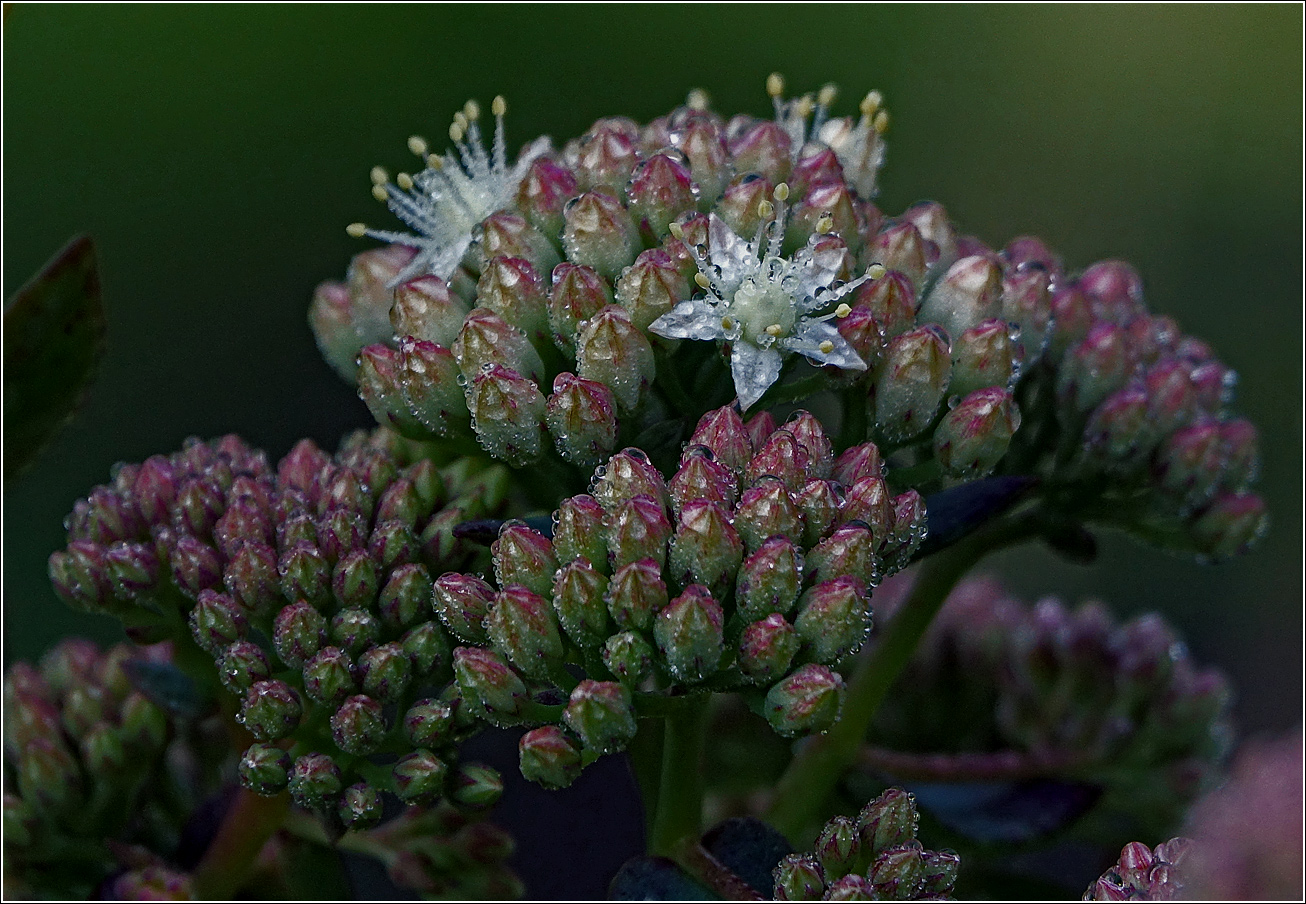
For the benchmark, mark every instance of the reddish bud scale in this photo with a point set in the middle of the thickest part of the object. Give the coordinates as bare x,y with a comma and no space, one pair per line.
487,339
602,715
582,419
521,625
806,702
542,193
766,649
834,619
577,294
659,191
722,430
701,477
780,455
769,579
638,529
636,594
689,635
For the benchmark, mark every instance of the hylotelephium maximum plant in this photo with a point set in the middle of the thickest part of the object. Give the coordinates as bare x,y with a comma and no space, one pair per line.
659,411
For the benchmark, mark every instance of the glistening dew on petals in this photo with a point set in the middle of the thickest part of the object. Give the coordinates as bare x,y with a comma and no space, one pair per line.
446,200
763,304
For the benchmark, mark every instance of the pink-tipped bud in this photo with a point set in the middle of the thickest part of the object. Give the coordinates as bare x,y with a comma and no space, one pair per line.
689,634
834,619
612,351
628,474
722,430
972,437
462,602
636,594
1116,290
507,234
579,532
524,556
549,757
598,232
1097,366
582,419
738,207
760,147
578,293
1229,527
272,710
329,677
546,187
513,289
358,726
850,550
766,510
806,702
1027,303
521,625
780,455
602,714
902,250
638,529
507,414
706,548
932,220
660,191
426,309
766,649
651,287
911,383
701,476
486,338
769,579
605,156
489,686
983,356
578,591
965,296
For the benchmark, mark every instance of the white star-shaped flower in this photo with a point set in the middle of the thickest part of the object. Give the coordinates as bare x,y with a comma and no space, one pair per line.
766,306
859,144
445,201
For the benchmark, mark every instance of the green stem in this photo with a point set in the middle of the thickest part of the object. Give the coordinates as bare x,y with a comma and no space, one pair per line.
249,823
680,786
645,753
815,771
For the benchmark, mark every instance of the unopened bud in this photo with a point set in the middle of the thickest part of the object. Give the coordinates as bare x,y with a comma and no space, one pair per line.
769,579
431,386
315,781
549,757
513,289
487,339
601,713
638,529
701,476
360,807
798,877
834,619
611,351
489,685
524,556
216,622
766,649
329,678
972,437
265,769
635,594
899,872
1232,523
705,549
385,671
358,727
579,532
475,786
582,419
507,414
425,308
911,383
546,187
851,550
659,191
982,357
272,709
763,147
722,430
629,657
902,249
839,846
508,234
242,665
380,385
628,474
521,625
577,295
578,592
355,630
598,232
888,821
689,634
806,702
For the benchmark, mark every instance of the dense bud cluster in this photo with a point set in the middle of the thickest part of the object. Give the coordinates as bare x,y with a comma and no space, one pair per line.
311,587
999,688
751,568
874,857
567,328
92,766
1144,875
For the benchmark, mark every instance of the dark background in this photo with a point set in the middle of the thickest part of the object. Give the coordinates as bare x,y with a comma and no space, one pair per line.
216,154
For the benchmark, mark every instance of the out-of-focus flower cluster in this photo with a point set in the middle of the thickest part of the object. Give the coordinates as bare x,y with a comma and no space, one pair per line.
1143,874
999,689
311,587
751,568
99,780
874,857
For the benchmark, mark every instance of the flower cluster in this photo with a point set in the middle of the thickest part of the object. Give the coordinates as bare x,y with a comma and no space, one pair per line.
999,689
874,857
751,568
1144,875
93,769
311,588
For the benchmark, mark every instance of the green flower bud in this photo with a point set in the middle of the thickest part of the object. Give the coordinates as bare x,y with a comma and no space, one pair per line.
604,156
491,688
315,781
850,550
651,287
798,877
144,726
766,649
429,723
1230,525
507,414
598,232
298,632
578,294
612,351
659,191
839,846
549,757
265,769
360,807
271,710
252,580
425,309
706,549
834,619
899,873
629,657
638,529
475,786
521,625
627,474
580,532
762,147
48,777
767,510
328,677
911,382
385,671
689,634
701,476
941,869
195,567
79,576
406,598
507,234
355,630
1099,364
419,778
427,648
967,295
722,430
738,206
132,569
358,726
431,387
578,598
602,714
982,356
819,501
542,194
242,665
462,602
779,455
806,702
888,821
582,419
391,545
511,288
20,823
769,579
354,583
904,251
852,888
636,594
524,556
380,386
891,302
102,752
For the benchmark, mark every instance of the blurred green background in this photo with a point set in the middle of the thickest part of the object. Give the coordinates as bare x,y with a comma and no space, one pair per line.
216,154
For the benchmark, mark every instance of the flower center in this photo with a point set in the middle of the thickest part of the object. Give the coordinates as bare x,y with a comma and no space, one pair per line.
764,310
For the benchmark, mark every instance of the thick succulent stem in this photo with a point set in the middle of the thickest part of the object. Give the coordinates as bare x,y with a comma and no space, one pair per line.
680,787
250,821
814,772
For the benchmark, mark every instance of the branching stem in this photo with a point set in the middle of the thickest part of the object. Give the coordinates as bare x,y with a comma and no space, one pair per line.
678,819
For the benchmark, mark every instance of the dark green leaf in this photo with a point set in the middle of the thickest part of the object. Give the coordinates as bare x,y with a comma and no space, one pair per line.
54,336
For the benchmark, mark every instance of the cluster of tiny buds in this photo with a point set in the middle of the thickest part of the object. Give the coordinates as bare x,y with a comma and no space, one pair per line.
1070,690
874,857
1143,874
751,568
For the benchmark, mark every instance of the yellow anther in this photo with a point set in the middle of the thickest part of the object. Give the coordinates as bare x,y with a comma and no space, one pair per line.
827,95
875,271
356,230
417,144
804,106
472,110
765,209
677,231
404,181
775,84
727,323
842,311
696,99
781,192
881,121
498,106
379,175
826,347
871,102
434,161
461,119
456,133
824,224
775,330
702,280
379,192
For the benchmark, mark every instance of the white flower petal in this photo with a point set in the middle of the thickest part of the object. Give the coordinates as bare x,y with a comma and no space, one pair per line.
692,319
754,370
728,252
817,271
811,335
